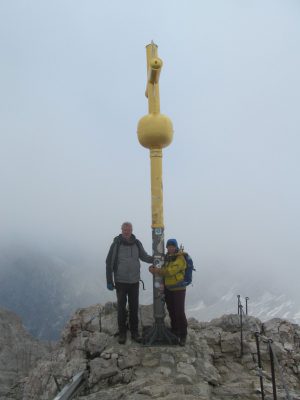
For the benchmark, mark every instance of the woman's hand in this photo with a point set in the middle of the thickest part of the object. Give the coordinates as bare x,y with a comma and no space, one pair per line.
154,270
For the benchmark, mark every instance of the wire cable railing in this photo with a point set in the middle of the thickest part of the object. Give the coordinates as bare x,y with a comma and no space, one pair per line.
275,359
272,354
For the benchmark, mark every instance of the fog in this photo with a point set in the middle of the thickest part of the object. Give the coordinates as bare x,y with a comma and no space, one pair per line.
71,169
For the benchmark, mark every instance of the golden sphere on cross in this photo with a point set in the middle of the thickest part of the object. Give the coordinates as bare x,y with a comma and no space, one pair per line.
155,131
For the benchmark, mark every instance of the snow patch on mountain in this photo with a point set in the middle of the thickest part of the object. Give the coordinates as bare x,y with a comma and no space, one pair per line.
264,306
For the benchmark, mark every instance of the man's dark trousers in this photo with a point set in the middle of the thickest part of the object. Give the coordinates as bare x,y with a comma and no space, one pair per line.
130,290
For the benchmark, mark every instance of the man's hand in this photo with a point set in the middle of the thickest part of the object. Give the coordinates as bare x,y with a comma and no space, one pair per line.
110,286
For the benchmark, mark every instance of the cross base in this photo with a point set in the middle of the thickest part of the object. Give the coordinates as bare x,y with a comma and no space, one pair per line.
159,335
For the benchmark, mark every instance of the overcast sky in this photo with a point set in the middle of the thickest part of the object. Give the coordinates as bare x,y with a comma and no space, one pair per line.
72,83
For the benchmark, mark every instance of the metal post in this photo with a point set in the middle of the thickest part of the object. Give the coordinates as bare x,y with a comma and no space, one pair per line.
280,374
241,323
100,321
56,382
272,369
239,302
259,366
247,298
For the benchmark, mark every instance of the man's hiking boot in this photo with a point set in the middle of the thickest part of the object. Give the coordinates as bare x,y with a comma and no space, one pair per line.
122,338
136,337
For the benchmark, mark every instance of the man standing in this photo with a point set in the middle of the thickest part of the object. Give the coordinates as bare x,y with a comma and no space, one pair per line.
123,274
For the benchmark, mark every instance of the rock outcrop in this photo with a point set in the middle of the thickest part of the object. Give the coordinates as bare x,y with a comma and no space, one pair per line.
19,352
209,367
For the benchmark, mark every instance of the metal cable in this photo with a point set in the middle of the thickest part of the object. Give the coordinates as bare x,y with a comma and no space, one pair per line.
280,373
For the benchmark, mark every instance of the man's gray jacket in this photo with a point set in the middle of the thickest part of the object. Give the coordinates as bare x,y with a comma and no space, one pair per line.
123,260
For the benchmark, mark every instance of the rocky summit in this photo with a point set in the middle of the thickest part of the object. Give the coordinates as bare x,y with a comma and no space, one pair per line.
209,367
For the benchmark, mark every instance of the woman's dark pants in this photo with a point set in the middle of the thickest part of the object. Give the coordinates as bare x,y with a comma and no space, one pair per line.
175,304
130,291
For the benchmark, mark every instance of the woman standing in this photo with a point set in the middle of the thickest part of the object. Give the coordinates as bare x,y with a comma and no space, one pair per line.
173,272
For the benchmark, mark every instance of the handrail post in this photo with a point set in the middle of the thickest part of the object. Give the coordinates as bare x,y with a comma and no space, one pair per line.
239,303
241,323
259,366
272,370
246,298
56,382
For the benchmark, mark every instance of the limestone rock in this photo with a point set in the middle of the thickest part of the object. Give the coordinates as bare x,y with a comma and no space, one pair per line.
209,367
101,369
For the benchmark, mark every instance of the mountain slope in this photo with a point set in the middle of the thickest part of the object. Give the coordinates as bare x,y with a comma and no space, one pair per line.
19,351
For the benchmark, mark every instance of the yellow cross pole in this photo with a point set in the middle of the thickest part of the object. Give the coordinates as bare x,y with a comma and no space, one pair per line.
155,131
